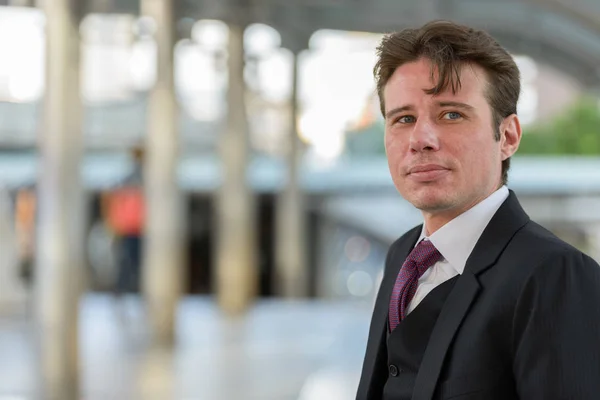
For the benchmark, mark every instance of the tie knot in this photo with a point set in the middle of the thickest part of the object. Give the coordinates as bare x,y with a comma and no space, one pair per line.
425,255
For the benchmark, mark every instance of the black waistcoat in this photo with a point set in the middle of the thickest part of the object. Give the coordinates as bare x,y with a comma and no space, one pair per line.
406,345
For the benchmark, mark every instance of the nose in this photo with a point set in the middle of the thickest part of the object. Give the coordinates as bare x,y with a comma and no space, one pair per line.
424,137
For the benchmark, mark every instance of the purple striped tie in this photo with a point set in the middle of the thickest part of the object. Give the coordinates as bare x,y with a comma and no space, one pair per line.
418,261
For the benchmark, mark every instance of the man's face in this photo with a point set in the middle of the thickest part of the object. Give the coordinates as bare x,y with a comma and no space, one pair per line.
442,153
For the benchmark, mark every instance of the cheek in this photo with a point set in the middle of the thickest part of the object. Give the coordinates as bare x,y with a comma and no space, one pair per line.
393,145
395,154
479,158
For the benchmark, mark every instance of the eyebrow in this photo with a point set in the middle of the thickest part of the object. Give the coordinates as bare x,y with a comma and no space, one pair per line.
456,104
398,110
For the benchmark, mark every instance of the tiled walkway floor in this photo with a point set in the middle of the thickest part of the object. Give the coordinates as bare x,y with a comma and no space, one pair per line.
309,350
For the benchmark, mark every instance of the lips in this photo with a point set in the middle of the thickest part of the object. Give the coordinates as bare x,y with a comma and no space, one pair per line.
426,168
427,173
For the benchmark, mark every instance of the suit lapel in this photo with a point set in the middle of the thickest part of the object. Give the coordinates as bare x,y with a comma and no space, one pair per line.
376,354
509,218
507,221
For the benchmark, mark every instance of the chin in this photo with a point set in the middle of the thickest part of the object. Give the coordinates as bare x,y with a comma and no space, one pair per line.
432,206
430,199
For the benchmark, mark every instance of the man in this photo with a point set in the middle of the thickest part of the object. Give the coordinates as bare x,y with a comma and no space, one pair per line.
124,209
479,302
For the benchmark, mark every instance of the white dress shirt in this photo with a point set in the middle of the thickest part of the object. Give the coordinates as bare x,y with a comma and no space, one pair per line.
455,241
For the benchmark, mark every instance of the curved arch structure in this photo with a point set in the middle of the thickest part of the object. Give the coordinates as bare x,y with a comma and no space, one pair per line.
562,33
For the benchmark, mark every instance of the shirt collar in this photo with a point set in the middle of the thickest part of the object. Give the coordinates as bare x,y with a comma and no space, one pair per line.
457,239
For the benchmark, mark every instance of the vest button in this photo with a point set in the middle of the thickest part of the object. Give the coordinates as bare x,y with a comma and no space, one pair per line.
394,371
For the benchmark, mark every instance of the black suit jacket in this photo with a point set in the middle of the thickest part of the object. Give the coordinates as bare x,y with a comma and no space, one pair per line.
522,321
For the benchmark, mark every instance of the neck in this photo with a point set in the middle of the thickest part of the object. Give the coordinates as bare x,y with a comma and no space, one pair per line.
434,220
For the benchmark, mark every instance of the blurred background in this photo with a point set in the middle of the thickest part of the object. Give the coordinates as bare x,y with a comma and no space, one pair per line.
194,196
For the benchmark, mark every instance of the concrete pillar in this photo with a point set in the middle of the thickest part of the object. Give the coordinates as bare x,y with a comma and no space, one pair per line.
291,247
163,245
236,266
59,255
12,290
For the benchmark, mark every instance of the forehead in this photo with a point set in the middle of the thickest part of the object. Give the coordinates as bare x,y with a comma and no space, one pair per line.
410,82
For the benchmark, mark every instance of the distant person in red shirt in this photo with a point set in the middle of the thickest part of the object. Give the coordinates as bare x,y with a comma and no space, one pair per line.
124,210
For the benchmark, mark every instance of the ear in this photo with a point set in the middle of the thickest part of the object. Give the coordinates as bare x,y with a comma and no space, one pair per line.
510,136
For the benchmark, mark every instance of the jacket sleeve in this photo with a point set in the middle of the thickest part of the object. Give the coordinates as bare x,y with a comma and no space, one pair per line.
556,330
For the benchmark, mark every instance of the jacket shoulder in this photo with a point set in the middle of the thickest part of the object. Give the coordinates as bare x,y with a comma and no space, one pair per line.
536,252
541,241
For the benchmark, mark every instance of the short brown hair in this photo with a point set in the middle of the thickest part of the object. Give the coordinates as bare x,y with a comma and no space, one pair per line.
449,46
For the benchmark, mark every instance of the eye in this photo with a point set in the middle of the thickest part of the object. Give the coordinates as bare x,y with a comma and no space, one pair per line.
405,119
452,115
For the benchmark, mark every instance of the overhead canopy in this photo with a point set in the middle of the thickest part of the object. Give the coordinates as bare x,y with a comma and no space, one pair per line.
561,33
